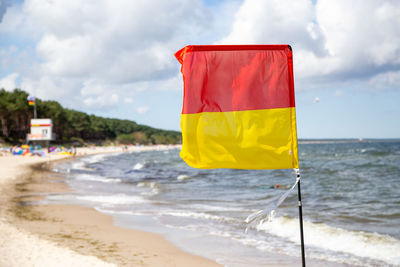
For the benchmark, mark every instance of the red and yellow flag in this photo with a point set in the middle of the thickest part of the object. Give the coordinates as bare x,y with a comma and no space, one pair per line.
238,107
31,100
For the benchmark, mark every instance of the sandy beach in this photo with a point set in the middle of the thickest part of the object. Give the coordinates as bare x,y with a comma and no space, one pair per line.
68,235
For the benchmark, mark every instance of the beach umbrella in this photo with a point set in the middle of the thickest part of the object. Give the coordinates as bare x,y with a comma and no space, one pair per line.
239,111
18,151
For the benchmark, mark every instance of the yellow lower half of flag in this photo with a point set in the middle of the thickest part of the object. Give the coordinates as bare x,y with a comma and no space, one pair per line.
254,139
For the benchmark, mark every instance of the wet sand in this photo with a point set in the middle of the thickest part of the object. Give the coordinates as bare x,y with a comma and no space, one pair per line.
33,234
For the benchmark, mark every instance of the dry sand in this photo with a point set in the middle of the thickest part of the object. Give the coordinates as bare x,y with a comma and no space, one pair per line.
68,235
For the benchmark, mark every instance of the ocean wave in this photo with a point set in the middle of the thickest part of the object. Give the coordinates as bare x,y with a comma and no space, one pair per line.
119,199
155,190
120,212
81,164
202,228
174,213
147,184
213,208
183,177
362,244
98,158
88,177
60,197
138,166
195,215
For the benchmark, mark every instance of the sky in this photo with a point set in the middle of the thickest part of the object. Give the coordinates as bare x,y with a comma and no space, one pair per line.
115,58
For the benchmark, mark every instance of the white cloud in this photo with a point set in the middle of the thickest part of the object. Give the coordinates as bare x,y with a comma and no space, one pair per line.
338,93
173,84
386,80
115,41
99,102
361,35
9,82
128,100
98,96
142,110
51,88
85,52
333,41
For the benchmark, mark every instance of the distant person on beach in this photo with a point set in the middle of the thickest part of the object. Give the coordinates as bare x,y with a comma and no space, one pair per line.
73,150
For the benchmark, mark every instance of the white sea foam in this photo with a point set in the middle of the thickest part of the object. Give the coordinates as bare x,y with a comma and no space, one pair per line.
213,208
83,162
118,199
97,158
174,213
120,212
88,177
361,244
191,227
138,166
147,184
60,198
78,165
183,177
195,215
155,190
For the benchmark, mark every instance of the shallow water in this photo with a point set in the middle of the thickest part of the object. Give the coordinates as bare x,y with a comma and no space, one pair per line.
350,191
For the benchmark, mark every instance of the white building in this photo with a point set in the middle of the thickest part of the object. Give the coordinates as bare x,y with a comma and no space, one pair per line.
41,130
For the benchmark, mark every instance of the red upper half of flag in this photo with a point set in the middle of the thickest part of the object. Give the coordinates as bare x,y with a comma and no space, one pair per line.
222,78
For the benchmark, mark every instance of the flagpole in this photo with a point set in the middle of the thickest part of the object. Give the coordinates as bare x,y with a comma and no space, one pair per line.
303,258
34,111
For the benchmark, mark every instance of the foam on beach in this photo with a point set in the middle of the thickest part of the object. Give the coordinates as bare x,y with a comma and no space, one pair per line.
93,178
195,215
147,184
82,163
138,166
319,235
183,177
109,200
205,207
153,186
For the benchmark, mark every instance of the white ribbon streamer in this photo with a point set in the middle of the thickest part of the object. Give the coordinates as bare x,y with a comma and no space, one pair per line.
268,213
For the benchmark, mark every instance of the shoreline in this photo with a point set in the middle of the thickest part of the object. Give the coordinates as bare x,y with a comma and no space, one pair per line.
84,233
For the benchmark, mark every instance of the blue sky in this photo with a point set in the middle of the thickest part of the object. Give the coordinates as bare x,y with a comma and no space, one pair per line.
115,58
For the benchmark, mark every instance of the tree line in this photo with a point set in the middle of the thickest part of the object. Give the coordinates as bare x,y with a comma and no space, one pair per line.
73,126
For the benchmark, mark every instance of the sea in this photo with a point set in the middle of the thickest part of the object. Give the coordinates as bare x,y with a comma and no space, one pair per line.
350,196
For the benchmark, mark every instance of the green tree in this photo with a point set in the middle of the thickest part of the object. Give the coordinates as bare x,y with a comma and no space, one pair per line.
69,125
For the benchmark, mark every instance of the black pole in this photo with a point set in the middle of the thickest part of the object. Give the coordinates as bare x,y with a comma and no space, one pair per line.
34,111
303,257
